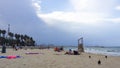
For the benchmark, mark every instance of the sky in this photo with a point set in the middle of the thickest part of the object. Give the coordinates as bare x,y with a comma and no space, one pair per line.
63,22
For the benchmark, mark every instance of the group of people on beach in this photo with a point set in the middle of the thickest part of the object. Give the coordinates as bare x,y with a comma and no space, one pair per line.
72,52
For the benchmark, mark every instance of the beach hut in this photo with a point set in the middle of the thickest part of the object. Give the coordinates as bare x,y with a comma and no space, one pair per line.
80,45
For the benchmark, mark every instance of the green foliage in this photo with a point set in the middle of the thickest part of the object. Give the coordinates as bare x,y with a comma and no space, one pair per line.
12,39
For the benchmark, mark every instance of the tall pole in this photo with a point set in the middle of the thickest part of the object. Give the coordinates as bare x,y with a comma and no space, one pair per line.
8,29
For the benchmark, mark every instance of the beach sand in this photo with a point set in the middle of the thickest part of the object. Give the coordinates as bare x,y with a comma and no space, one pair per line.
47,58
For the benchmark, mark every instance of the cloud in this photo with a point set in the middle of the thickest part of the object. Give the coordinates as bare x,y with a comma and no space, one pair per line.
87,16
36,4
79,4
84,11
117,7
76,17
113,20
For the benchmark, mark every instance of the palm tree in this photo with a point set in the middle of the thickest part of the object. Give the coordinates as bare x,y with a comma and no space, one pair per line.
3,39
17,36
11,35
29,40
19,39
22,37
0,32
3,32
22,40
32,41
26,39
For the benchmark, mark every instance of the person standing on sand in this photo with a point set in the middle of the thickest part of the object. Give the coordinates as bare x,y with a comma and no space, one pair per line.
3,49
15,47
99,62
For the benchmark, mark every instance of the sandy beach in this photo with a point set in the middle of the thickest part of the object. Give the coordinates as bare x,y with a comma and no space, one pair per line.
47,58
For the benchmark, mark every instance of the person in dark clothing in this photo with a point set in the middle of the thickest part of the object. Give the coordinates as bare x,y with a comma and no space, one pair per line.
89,56
99,62
3,49
76,52
106,57
61,48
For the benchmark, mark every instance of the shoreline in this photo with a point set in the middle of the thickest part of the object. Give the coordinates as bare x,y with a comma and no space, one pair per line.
66,49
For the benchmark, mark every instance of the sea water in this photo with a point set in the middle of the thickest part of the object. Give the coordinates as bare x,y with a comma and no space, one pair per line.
110,51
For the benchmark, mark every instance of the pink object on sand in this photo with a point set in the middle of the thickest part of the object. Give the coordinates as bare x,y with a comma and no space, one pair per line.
31,53
11,57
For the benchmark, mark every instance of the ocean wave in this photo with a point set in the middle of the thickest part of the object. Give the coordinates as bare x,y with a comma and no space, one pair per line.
112,51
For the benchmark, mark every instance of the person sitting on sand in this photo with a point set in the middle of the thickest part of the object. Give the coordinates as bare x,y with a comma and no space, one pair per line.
72,53
61,48
69,53
57,49
70,50
76,52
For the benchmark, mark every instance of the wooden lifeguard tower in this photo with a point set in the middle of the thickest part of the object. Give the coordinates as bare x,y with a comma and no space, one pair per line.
80,45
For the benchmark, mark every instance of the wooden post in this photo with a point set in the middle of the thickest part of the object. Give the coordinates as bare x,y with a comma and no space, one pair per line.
80,45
